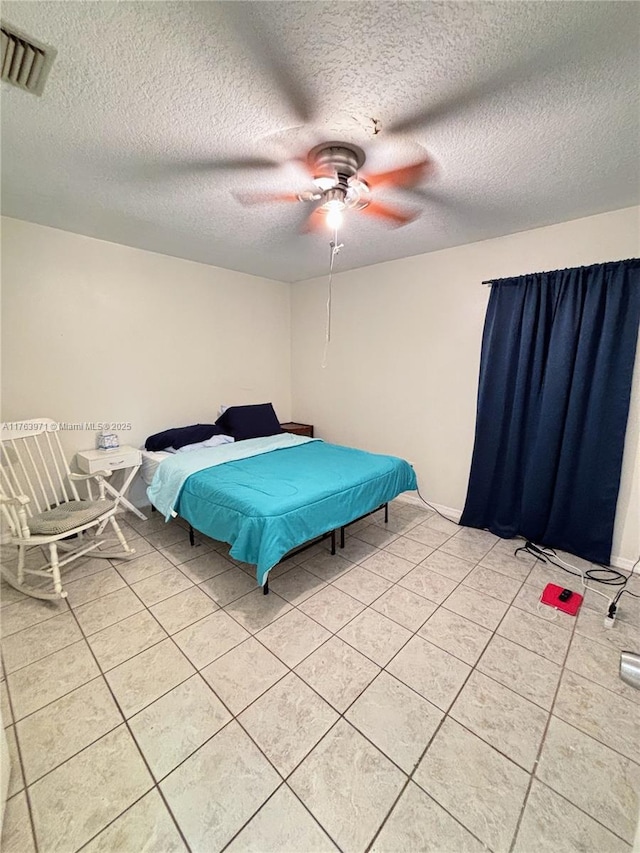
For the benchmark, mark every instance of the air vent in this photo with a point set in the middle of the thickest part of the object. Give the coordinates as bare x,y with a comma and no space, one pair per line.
25,62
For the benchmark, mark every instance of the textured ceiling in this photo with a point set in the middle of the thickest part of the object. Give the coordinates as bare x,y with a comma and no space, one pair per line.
530,110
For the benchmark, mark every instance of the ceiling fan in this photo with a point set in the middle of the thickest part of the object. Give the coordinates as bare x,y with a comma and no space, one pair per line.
338,186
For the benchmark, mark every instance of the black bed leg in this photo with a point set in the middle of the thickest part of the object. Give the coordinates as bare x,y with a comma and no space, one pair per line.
333,543
386,513
265,588
342,537
192,539
153,509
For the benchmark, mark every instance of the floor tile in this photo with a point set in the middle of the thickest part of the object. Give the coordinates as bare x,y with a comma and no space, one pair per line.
448,565
591,776
92,587
504,719
118,643
287,722
108,610
168,535
144,678
297,585
405,607
606,716
215,791
55,733
175,725
432,672
36,685
444,525
376,536
356,550
163,585
337,672
388,565
599,663
143,567
478,786
348,785
375,636
183,609
409,549
551,823
427,535
328,567
78,799
282,825
623,635
243,674
501,558
525,672
14,769
293,637
7,716
146,826
396,719
206,640
476,606
429,584
40,640
546,639
205,566
16,826
469,548
228,586
256,610
332,608
417,824
456,635
362,584
493,583
31,611
182,552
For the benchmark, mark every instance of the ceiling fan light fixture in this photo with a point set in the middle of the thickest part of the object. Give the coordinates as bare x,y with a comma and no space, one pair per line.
324,182
334,215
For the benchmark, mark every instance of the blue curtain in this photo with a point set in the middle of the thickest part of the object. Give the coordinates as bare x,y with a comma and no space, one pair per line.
557,361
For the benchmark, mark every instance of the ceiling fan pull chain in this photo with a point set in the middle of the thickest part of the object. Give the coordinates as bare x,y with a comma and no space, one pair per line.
335,248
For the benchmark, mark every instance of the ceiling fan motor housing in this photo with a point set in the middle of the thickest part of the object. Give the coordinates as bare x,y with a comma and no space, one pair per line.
336,159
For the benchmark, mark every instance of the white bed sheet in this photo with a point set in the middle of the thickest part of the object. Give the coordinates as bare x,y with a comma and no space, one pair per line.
150,461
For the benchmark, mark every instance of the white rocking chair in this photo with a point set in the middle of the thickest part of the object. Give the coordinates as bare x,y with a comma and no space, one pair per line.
42,507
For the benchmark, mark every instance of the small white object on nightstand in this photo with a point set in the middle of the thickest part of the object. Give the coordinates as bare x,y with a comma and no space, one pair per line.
90,461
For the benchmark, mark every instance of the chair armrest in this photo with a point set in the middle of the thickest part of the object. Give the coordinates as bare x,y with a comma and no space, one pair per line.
22,500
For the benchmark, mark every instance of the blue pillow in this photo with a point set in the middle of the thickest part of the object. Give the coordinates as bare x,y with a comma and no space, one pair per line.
244,422
182,436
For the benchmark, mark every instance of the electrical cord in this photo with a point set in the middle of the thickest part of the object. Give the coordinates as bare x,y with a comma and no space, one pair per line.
335,248
605,575
434,509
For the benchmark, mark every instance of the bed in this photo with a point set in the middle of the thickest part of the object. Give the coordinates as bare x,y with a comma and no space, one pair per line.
267,496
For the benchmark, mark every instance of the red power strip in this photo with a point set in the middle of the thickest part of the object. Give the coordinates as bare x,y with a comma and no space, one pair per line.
551,596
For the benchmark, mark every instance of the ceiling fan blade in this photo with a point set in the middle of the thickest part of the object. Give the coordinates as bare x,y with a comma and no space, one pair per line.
315,221
406,176
245,17
266,198
383,211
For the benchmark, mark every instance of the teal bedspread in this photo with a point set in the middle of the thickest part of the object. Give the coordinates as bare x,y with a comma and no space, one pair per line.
269,504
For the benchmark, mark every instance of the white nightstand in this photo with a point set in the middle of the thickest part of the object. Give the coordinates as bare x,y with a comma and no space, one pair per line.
92,461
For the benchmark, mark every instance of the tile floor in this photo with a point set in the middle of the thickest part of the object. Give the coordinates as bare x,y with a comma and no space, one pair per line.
405,695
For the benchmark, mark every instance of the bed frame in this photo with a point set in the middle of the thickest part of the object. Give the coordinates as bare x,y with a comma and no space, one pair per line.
331,534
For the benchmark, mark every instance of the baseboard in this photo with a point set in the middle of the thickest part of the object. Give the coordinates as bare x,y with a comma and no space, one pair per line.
454,514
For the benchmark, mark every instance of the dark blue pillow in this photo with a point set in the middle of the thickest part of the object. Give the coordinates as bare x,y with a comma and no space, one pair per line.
243,422
182,436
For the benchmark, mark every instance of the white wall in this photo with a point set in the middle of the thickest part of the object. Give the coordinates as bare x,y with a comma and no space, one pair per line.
402,371
97,331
